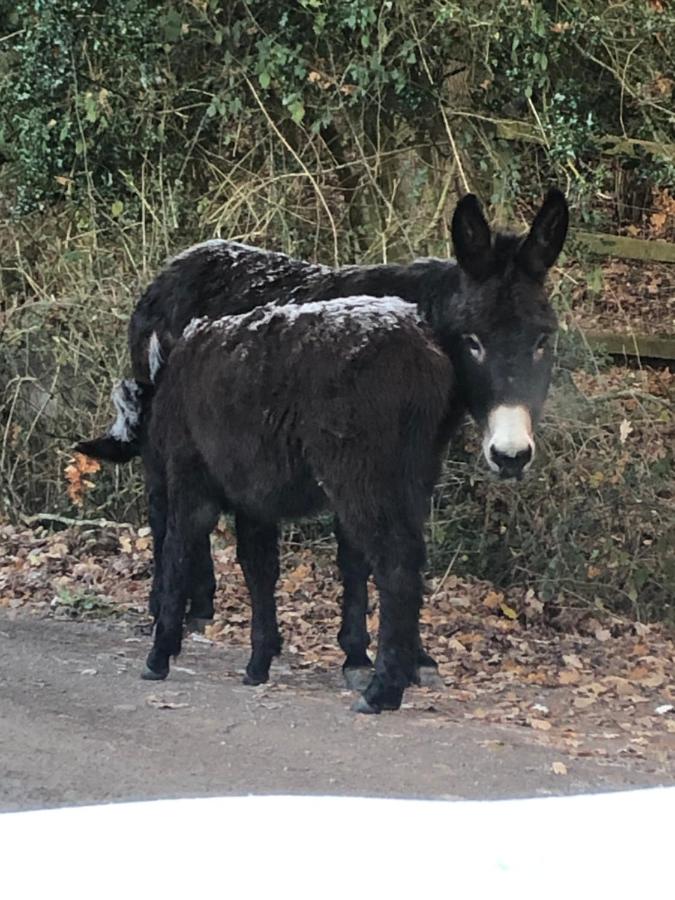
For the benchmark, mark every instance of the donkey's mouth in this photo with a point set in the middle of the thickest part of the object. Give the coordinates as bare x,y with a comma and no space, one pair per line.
508,445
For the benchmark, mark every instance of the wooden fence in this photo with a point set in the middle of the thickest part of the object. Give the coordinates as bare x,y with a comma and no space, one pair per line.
646,346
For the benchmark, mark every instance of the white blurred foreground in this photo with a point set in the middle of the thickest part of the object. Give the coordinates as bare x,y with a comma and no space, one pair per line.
609,845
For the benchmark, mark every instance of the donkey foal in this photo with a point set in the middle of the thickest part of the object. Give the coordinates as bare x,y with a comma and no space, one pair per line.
281,412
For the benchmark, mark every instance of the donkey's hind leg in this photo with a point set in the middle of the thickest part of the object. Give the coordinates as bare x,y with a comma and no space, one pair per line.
258,556
157,514
353,636
202,586
191,517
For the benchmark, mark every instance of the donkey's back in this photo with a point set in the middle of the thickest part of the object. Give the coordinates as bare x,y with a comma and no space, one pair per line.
288,407
218,278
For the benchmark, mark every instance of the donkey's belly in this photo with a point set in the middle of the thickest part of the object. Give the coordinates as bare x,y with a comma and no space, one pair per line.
270,495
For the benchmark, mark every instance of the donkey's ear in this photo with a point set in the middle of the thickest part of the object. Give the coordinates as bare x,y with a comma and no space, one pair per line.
545,240
472,238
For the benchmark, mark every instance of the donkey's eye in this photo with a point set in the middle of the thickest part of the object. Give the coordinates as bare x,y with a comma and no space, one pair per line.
540,346
476,349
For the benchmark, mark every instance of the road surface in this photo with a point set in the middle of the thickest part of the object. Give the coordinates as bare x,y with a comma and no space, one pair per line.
78,726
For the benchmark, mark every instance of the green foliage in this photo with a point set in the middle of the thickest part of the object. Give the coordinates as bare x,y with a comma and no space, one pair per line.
81,82
92,90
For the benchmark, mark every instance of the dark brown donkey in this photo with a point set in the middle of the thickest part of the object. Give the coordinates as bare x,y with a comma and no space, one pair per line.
488,311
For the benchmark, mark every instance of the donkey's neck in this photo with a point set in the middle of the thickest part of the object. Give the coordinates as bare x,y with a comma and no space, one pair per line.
429,283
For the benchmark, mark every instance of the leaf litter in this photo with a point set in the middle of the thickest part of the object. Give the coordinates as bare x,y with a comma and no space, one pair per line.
587,684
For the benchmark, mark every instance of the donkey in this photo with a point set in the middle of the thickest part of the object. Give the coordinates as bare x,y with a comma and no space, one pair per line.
489,311
285,410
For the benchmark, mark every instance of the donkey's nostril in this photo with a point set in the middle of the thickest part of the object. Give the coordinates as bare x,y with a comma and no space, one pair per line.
511,466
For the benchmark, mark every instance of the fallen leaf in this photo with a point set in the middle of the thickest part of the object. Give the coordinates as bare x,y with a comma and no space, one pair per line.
295,579
57,551
508,611
164,701
594,687
200,638
664,708
493,599
559,768
540,724
569,676
75,471
656,679
572,660
584,702
456,646
622,686
625,428
643,675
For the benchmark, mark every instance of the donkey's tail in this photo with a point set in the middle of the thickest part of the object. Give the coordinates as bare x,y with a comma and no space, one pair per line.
122,441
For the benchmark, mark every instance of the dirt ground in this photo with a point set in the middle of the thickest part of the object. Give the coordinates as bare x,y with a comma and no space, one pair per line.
77,725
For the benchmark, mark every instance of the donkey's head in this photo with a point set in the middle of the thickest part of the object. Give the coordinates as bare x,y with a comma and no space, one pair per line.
501,326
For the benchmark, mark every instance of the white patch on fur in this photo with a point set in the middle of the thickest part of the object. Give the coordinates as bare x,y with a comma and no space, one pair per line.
215,245
375,312
194,326
126,398
509,431
234,250
363,312
155,356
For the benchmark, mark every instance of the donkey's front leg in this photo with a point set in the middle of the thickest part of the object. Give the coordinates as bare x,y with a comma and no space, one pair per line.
202,586
399,581
353,636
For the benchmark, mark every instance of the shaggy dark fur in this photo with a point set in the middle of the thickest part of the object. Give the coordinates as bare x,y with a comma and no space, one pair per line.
284,411
494,294
495,278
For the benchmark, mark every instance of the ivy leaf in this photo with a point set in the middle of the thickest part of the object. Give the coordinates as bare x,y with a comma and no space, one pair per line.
297,110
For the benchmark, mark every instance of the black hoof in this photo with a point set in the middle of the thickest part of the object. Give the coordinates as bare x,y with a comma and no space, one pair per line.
429,678
149,675
362,706
391,704
254,680
423,659
357,678
196,623
381,696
